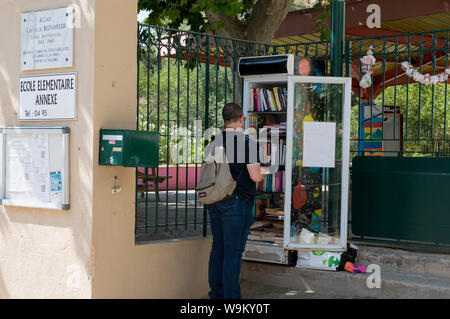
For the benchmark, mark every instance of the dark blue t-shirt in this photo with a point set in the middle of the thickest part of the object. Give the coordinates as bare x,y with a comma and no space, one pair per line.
244,152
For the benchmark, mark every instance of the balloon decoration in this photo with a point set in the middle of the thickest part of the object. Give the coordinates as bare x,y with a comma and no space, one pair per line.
368,62
426,79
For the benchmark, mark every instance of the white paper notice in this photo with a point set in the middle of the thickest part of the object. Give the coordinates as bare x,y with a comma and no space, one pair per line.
19,163
40,150
319,144
41,183
19,176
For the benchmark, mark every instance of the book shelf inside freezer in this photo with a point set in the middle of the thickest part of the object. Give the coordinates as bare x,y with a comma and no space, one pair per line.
265,106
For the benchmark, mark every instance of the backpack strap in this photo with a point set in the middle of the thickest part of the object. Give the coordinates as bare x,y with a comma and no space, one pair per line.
242,170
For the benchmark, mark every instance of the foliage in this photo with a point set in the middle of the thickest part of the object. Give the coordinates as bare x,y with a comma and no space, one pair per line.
174,14
425,118
190,14
173,96
321,23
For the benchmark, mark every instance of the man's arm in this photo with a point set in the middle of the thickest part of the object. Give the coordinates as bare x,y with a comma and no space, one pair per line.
256,172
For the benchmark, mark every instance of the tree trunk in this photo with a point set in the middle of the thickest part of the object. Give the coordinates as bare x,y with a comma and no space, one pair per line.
264,22
266,17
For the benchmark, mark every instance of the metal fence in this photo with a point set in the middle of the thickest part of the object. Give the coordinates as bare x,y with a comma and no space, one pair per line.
396,115
184,79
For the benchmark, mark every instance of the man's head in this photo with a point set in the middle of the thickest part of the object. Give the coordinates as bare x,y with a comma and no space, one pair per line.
233,116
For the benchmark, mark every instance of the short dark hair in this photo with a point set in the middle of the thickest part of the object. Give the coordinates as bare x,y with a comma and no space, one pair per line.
231,112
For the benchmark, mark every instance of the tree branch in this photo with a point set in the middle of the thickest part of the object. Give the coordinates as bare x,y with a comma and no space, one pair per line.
266,19
231,29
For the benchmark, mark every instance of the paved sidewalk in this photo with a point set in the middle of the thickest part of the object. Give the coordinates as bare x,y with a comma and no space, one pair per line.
252,290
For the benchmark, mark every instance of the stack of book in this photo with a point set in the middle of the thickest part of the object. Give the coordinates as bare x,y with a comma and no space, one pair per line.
268,100
275,214
270,231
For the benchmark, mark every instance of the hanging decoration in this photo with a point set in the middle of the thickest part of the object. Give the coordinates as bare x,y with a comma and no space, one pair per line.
368,62
426,79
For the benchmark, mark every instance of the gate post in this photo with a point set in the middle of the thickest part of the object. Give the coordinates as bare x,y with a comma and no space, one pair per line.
337,69
337,37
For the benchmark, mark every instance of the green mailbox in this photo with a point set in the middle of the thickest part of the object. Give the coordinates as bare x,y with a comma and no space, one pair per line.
129,148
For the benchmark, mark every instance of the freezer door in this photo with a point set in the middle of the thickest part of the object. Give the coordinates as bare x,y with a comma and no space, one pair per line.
317,173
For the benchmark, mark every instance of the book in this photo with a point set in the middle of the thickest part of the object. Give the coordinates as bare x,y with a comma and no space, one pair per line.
277,98
254,237
275,211
262,236
273,103
257,99
282,99
284,95
278,240
266,100
263,100
273,231
261,224
251,107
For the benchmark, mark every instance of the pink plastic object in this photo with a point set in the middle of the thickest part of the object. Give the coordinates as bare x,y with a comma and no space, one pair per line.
359,268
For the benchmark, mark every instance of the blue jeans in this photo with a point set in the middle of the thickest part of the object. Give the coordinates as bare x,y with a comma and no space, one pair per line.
230,223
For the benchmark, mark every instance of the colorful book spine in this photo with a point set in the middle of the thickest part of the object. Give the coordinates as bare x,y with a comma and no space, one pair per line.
266,100
272,183
257,100
273,104
277,98
251,107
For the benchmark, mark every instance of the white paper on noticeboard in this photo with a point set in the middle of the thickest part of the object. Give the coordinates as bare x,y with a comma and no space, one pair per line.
41,184
19,164
319,144
40,150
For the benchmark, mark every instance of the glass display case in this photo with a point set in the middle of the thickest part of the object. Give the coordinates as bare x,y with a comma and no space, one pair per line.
302,124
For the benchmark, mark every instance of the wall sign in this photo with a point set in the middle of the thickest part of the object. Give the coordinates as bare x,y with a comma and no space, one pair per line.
47,39
47,97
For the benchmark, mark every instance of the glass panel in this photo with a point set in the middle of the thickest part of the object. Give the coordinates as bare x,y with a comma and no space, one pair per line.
316,164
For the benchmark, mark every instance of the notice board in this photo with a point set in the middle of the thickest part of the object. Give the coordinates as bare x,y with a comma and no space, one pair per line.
35,167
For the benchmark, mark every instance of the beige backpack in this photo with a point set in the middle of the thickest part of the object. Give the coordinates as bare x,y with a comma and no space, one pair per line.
216,182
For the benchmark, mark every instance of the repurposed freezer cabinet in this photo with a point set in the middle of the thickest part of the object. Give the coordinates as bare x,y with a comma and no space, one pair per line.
302,125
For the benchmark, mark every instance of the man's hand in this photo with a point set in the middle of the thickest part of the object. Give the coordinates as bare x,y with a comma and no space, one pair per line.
266,170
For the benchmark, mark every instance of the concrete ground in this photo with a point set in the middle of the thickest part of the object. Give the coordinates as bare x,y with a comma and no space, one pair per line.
400,274
253,290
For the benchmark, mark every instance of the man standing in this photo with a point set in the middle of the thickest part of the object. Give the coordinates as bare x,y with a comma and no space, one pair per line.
231,218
